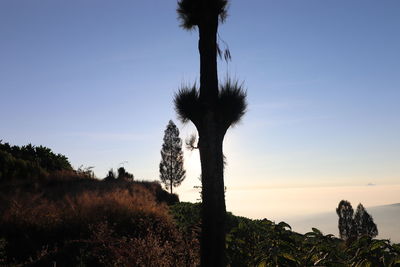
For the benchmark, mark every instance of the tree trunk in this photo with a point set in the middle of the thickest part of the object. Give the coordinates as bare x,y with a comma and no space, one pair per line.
211,137
213,205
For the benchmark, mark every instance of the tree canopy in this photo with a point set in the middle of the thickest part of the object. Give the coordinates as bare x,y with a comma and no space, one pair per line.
29,161
352,225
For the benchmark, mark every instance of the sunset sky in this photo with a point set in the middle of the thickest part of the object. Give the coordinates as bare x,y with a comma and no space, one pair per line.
94,80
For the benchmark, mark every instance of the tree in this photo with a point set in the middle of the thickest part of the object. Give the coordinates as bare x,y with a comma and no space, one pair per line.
212,108
353,227
364,222
347,228
124,175
172,172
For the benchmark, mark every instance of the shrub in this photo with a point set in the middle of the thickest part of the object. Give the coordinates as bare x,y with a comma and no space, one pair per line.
99,226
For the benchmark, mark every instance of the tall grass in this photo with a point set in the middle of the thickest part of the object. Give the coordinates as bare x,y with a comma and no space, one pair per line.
103,224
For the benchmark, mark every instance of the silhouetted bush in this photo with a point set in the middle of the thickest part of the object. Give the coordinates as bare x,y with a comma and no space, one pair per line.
29,162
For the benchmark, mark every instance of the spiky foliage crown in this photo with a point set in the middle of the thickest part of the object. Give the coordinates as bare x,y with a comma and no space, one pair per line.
230,106
232,103
191,11
187,104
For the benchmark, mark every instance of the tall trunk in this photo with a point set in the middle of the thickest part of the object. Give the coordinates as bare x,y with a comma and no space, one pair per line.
208,61
211,137
213,205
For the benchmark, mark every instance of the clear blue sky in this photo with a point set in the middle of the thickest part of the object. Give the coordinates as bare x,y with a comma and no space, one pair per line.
94,80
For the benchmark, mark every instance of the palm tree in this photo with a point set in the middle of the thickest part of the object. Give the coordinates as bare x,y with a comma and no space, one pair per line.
212,108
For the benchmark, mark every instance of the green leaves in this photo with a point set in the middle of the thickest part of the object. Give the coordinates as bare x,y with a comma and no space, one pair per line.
264,243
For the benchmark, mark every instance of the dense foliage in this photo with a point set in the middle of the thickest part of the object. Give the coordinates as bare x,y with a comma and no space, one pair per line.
265,243
29,161
353,226
364,223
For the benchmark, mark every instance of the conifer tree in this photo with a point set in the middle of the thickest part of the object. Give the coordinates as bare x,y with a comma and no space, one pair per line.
172,172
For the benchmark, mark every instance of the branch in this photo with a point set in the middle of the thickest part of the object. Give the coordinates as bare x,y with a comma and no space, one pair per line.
191,142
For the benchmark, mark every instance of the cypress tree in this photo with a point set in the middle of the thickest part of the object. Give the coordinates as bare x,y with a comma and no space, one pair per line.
172,172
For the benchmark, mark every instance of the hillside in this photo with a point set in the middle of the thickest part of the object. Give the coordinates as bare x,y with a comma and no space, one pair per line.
69,218
88,221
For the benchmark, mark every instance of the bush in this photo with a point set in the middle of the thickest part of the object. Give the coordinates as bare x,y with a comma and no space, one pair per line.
29,162
97,226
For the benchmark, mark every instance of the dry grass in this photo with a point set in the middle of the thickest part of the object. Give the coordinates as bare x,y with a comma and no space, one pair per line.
119,225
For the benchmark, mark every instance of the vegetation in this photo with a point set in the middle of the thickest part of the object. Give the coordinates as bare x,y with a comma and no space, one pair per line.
30,162
71,219
122,175
346,225
364,223
172,172
266,243
81,221
212,108
354,227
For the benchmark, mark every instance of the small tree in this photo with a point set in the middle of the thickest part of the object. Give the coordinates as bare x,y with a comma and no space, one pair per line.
110,175
353,227
347,229
124,175
172,172
364,223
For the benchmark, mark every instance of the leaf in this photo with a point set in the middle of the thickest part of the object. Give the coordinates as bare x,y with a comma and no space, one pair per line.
289,257
284,225
315,230
378,244
364,263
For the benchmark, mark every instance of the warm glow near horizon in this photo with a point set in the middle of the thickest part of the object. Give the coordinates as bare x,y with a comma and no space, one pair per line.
281,203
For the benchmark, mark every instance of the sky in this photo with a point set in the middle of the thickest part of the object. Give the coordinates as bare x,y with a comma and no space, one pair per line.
94,80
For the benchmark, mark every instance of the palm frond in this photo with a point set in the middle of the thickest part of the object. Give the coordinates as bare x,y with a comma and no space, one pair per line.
187,104
190,12
232,103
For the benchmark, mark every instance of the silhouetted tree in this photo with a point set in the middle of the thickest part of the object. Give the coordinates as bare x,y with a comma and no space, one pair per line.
347,228
172,172
364,223
124,175
353,227
212,108
110,175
